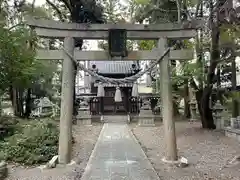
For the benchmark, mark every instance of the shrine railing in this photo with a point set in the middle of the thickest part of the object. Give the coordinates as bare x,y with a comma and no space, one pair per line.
132,105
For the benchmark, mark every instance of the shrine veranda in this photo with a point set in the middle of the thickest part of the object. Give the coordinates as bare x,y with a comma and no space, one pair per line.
68,31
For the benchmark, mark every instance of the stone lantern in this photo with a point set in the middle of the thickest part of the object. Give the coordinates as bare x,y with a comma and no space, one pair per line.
84,115
193,109
146,117
218,119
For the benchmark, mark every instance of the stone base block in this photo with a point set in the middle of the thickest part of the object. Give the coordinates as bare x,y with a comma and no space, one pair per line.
234,123
232,133
157,118
146,121
96,118
84,121
193,120
134,118
219,124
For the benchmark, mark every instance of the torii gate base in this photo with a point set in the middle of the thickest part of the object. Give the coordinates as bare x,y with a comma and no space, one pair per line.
53,29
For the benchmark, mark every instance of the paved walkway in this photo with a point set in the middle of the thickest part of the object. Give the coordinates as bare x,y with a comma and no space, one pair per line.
118,156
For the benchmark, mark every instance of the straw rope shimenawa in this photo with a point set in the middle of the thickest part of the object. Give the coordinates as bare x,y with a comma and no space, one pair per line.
131,79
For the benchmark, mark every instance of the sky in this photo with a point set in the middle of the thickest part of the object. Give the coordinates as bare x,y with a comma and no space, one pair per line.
38,2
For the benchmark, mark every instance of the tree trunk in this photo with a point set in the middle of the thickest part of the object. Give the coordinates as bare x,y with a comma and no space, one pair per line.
187,113
20,103
175,109
78,44
28,104
17,102
11,94
14,101
207,117
199,94
1,104
235,108
202,97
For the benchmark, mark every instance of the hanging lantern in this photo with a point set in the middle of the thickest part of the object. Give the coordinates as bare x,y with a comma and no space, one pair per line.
100,90
148,80
118,95
135,90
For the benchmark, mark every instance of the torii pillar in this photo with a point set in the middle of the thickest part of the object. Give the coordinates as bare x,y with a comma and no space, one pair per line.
167,108
65,137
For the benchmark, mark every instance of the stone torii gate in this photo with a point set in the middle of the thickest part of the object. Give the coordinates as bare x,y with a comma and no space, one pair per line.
69,31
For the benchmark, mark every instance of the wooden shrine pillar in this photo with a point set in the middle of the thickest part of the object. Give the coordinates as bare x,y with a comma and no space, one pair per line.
66,115
167,108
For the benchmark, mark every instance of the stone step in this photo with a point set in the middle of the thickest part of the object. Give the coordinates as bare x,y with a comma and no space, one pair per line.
115,119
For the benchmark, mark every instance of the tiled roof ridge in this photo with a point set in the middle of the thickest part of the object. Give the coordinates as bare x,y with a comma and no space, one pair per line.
114,67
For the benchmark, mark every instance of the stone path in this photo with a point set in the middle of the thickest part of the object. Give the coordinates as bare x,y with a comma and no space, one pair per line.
118,156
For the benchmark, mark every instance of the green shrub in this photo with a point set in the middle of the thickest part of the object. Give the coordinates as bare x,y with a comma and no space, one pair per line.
8,126
36,143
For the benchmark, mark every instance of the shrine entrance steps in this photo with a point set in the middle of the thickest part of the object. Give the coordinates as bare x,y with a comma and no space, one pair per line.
117,155
120,119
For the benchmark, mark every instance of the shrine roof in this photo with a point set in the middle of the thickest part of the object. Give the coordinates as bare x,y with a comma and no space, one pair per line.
114,67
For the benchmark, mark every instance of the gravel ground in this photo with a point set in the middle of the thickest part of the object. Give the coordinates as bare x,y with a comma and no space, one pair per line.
85,139
209,153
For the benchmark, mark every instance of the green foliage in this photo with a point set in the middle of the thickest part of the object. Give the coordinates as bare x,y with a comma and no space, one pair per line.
192,3
142,2
7,126
146,45
111,11
37,11
34,142
18,65
235,96
17,60
156,11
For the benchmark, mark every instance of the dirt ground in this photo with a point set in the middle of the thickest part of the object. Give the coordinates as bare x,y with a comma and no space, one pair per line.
209,153
85,138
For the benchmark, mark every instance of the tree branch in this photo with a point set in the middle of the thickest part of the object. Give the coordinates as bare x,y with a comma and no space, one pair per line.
33,4
193,84
197,8
60,16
